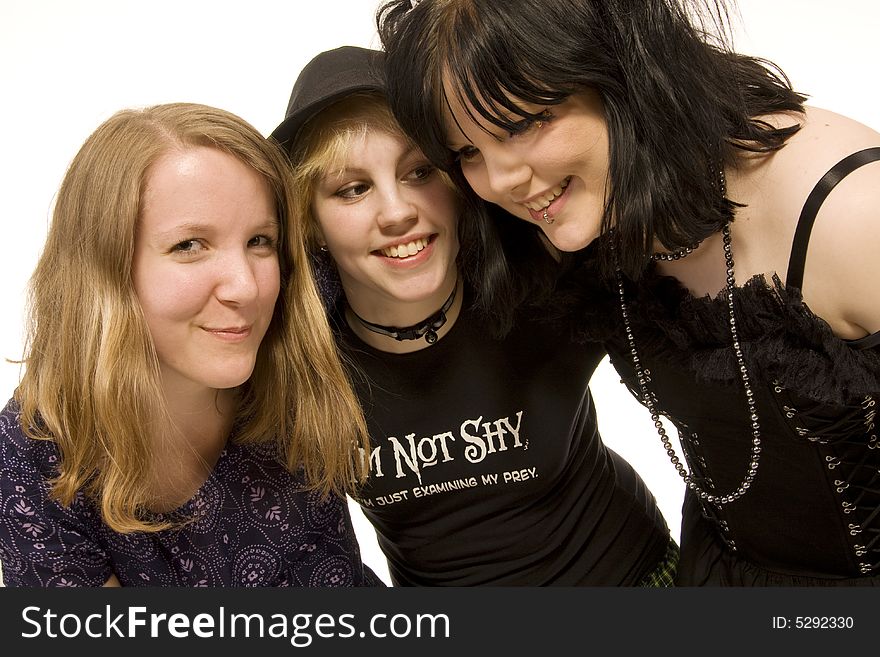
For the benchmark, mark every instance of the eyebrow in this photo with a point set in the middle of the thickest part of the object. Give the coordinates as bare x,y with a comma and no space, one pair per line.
360,170
336,173
189,228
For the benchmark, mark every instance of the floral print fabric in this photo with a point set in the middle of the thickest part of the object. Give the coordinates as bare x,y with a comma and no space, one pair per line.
250,524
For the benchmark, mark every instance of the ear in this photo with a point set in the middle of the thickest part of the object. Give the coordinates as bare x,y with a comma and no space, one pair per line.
316,237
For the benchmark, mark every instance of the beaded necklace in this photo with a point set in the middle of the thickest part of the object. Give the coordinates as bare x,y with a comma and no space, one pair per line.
676,255
648,400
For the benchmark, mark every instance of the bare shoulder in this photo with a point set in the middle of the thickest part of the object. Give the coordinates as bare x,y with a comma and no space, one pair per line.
781,182
842,268
824,139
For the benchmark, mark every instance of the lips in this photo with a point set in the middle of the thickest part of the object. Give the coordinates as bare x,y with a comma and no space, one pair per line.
540,203
405,249
557,200
229,333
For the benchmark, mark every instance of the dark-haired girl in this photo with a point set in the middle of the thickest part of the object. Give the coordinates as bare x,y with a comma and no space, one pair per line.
724,249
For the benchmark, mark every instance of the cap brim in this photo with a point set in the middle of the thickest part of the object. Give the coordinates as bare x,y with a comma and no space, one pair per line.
286,133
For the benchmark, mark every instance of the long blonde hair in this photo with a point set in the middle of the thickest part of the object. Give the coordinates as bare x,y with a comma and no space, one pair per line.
91,381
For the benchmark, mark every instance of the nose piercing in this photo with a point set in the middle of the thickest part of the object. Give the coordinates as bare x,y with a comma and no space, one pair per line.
547,219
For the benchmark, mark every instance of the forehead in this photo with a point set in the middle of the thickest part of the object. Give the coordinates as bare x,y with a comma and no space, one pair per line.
204,182
370,148
186,167
460,118
465,111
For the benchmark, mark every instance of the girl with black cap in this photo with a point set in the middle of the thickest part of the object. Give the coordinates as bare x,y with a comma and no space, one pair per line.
486,466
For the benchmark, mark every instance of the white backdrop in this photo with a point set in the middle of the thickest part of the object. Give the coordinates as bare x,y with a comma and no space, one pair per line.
66,65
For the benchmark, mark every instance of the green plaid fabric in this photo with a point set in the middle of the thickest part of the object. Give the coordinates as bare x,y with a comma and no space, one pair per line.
664,574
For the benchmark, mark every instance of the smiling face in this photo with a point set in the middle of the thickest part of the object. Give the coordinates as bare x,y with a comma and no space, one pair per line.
389,220
205,267
556,165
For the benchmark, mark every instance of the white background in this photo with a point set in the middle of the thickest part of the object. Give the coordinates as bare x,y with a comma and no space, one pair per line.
67,65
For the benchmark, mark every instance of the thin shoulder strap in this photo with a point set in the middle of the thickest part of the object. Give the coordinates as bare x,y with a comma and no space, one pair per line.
867,342
798,257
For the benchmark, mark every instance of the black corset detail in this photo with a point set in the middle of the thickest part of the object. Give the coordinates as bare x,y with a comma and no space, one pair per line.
817,398
847,439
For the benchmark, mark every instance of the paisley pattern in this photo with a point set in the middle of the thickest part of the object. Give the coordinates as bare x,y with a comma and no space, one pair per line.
250,524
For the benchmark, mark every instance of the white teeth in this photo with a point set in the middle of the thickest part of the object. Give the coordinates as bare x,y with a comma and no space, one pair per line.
405,250
542,202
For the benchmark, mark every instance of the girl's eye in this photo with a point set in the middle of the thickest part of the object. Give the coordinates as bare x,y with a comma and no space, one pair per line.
467,154
353,191
421,173
187,246
527,124
263,241
520,128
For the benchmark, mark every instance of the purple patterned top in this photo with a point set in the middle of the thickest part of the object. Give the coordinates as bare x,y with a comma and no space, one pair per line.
250,526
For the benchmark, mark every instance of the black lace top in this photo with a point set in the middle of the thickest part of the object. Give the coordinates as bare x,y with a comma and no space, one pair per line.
812,513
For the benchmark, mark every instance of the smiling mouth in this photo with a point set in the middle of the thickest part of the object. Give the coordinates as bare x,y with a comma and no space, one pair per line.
405,250
232,332
543,202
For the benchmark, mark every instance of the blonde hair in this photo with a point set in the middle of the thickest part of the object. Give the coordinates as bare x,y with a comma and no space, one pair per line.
325,140
91,381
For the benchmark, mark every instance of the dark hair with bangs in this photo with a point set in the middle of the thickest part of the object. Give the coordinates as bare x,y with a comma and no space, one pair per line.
679,103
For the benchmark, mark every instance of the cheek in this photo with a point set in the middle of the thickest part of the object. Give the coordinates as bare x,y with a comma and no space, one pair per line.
443,204
268,274
585,152
348,236
476,177
170,295
471,173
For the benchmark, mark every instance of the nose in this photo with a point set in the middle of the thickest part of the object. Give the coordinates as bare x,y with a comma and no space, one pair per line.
507,173
236,279
396,209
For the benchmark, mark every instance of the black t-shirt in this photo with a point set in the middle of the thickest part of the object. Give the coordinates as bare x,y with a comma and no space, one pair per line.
487,467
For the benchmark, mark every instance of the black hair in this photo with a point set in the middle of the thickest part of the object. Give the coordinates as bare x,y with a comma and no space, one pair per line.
679,103
493,244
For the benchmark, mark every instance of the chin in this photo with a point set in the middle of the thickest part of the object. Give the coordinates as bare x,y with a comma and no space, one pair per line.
226,383
421,288
229,377
571,238
566,245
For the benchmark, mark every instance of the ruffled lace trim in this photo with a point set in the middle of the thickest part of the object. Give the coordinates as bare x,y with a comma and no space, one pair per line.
782,339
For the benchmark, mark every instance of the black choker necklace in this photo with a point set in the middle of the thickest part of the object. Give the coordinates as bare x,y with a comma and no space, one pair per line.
427,328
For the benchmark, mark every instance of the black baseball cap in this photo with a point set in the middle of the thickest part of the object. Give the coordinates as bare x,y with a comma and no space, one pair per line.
330,76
